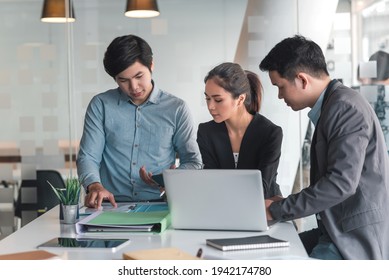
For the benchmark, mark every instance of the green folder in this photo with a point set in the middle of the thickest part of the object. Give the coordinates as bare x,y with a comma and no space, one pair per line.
156,221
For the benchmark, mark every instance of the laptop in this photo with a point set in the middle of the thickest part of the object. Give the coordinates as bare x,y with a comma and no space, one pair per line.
216,199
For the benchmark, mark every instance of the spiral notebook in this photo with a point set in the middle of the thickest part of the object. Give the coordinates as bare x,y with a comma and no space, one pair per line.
247,243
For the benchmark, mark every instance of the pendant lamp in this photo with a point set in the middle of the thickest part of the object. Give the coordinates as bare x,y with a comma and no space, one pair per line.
142,8
58,11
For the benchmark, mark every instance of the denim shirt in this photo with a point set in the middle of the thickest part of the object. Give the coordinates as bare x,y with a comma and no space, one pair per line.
120,137
314,113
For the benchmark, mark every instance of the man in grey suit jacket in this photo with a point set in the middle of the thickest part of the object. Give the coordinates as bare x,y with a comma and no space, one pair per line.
349,188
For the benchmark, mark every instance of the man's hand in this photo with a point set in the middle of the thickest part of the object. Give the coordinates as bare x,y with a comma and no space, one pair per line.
146,176
96,194
268,202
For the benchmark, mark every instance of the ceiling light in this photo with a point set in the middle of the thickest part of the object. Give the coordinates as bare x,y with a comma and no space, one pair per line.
142,8
58,11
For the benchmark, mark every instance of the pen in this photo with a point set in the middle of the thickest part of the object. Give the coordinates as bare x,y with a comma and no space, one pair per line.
132,207
199,253
162,193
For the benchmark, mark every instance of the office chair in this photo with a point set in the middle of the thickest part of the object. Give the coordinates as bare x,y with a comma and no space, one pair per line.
7,211
26,207
46,196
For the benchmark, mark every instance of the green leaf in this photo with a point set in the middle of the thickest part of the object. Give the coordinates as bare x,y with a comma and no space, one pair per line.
71,194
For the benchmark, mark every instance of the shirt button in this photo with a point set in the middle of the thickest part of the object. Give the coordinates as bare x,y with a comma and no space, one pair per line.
136,145
136,193
134,163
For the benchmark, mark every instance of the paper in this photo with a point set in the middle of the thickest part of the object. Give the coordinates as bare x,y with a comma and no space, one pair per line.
108,208
127,207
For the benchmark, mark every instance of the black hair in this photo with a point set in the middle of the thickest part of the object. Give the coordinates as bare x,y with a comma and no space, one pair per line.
231,77
293,55
125,51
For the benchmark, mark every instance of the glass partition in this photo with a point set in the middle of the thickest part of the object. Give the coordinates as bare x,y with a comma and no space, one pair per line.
371,56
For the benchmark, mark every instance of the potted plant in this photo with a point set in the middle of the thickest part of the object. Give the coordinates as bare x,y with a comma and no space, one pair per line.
69,199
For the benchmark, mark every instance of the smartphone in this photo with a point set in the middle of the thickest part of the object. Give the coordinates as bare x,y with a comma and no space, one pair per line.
84,243
158,179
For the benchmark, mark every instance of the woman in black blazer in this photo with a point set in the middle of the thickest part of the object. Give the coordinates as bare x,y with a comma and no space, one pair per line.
239,137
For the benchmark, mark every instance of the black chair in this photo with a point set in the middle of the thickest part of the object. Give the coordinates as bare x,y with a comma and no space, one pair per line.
7,211
46,196
26,206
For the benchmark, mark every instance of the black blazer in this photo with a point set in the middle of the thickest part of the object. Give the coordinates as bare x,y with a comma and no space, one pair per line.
260,149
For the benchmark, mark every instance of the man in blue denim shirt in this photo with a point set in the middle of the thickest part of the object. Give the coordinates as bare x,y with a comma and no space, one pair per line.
131,128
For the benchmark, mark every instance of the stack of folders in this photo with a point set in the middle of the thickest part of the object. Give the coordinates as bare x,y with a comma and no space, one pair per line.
111,222
246,243
147,218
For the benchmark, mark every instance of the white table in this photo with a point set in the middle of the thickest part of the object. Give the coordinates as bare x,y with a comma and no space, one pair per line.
48,226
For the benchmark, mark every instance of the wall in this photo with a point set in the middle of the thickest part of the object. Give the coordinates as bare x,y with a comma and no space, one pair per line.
266,23
39,77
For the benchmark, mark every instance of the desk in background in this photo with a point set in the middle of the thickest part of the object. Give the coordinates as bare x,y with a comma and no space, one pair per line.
48,226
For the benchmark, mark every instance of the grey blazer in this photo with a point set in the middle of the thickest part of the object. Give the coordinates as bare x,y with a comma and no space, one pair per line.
349,178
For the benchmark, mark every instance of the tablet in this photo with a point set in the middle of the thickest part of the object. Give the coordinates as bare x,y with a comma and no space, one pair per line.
85,243
158,179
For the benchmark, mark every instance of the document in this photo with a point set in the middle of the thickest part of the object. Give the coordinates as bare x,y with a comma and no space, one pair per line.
126,207
246,243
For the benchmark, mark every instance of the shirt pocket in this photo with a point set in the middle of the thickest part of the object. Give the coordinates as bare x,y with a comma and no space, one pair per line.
160,140
120,132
